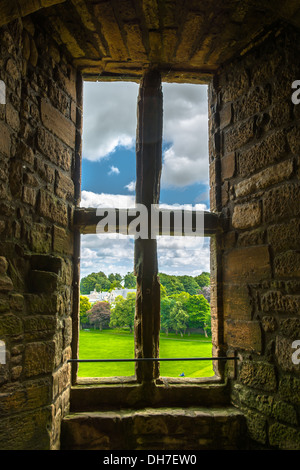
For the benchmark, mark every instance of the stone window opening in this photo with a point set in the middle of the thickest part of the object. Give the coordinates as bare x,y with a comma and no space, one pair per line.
147,316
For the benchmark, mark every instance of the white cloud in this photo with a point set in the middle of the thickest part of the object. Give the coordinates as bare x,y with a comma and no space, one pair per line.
176,255
105,253
109,117
186,129
110,122
114,170
90,199
130,186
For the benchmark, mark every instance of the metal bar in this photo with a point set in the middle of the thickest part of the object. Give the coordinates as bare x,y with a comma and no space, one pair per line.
140,359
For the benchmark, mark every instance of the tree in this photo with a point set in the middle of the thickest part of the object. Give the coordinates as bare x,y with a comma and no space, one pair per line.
172,284
114,277
203,279
122,314
166,305
129,281
190,285
87,284
207,322
115,285
179,318
84,306
99,315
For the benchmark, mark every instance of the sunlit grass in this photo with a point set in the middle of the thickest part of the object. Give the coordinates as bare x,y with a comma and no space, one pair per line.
119,344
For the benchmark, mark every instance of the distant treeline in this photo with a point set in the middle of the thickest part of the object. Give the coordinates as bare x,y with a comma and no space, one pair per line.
170,284
184,303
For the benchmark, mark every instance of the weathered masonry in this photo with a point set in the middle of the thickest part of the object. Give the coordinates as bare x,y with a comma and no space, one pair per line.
248,53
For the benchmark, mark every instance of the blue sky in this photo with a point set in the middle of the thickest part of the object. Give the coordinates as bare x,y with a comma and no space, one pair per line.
108,170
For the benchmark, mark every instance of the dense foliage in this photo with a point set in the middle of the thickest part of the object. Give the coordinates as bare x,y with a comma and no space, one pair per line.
184,303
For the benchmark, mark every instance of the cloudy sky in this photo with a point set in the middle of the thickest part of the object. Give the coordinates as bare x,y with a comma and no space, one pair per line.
108,171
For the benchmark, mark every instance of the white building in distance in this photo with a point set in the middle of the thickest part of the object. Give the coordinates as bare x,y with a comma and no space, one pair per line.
95,296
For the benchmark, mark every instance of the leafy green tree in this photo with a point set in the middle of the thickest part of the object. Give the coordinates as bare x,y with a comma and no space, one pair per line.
84,306
114,277
179,318
115,285
87,284
122,313
166,305
99,315
172,284
190,285
207,323
203,279
130,281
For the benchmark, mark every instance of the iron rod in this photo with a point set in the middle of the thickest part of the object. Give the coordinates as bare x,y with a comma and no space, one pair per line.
140,359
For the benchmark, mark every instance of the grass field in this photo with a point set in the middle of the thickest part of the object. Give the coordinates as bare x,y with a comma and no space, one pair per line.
118,344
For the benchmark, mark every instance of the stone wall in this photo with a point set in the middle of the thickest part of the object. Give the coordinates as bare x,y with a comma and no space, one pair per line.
255,183
40,157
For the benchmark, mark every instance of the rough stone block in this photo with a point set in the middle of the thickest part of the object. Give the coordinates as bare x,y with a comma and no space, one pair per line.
282,202
12,117
293,138
42,303
55,122
29,195
287,264
236,302
3,265
10,325
5,140
244,335
39,358
284,237
26,431
61,379
225,115
54,150
251,237
43,281
62,240
257,426
249,264
52,208
289,389
237,136
64,186
228,166
269,176
246,215
5,283
255,101
39,238
39,327
259,156
284,437
259,375
274,300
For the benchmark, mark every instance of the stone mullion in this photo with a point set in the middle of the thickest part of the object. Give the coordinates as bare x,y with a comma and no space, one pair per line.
149,164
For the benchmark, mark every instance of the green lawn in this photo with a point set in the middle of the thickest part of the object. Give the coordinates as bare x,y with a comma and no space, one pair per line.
118,344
